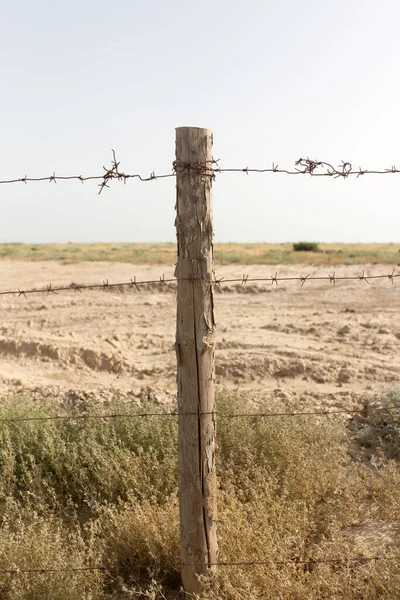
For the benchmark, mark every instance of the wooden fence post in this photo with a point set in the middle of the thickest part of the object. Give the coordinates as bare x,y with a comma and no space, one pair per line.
195,355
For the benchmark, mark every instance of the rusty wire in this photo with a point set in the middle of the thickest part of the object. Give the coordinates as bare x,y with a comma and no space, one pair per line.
303,166
333,278
315,168
251,563
253,415
133,283
109,174
75,287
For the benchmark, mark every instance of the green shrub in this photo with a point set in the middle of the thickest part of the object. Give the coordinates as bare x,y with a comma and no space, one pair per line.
105,492
286,490
28,541
69,465
142,540
306,247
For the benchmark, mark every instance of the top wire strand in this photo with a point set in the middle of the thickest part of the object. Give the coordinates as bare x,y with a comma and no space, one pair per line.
303,166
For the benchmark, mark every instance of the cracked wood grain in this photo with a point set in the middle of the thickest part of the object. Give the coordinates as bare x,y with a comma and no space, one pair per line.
195,343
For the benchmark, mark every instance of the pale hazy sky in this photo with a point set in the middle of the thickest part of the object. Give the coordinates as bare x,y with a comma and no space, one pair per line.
274,81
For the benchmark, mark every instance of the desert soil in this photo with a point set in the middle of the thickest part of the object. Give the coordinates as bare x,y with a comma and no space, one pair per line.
332,346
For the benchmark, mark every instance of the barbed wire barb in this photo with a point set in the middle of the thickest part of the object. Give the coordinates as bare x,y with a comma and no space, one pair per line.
50,290
304,279
134,283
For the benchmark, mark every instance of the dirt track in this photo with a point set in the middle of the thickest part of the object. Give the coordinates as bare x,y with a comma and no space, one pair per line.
328,345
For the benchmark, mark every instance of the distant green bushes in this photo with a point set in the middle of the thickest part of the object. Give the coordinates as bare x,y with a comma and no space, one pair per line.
306,247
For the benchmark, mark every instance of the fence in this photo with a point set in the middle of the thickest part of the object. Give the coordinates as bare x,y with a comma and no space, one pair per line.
194,170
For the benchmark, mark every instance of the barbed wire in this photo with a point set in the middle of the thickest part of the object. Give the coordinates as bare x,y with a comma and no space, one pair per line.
303,166
135,283
105,285
109,174
315,168
302,279
311,561
216,413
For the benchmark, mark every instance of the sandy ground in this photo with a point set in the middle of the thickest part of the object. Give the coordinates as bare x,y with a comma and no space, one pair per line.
331,346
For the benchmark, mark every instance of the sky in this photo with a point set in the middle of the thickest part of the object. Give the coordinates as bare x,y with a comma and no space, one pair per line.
274,81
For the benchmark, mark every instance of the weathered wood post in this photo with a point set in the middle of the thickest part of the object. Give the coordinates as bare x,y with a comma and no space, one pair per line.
195,355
